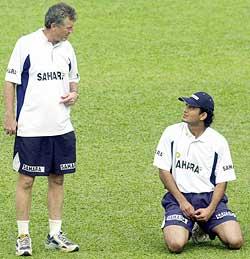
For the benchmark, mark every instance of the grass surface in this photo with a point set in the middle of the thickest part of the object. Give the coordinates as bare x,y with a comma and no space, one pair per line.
135,58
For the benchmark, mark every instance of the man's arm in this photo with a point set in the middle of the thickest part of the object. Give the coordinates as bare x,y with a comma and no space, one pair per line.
71,97
10,123
169,183
204,214
73,87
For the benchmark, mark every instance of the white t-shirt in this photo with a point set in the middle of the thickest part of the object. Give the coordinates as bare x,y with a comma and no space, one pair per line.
196,164
42,72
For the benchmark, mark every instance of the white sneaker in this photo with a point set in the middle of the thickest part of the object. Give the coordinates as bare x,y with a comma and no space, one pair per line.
23,245
198,235
61,242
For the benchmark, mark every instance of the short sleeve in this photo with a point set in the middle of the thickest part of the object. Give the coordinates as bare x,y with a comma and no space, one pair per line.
73,73
14,69
225,169
163,154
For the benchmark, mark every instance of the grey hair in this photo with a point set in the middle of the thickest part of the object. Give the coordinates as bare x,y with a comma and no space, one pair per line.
58,13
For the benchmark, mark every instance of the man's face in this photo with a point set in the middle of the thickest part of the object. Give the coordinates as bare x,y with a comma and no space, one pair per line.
62,32
192,115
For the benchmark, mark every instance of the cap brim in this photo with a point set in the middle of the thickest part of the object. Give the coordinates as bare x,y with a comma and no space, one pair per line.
189,101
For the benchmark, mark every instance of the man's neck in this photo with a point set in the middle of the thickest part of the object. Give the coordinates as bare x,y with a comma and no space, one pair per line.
49,36
197,130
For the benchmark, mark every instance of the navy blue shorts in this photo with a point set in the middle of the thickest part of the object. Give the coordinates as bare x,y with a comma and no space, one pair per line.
174,215
41,156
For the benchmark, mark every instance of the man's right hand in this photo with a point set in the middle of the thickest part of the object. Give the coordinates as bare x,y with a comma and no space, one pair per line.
187,209
10,124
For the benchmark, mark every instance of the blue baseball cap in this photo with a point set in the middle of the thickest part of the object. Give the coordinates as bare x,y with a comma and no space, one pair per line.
199,99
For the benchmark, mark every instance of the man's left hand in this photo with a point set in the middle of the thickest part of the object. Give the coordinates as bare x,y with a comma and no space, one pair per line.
69,99
203,214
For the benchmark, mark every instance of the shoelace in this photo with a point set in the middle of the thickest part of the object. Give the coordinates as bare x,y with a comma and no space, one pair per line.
63,238
24,241
199,232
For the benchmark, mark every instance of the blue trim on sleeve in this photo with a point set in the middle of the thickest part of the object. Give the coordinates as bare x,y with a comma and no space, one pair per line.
21,89
172,155
70,66
213,177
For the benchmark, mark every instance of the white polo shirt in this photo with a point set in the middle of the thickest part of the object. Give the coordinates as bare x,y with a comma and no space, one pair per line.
197,164
42,72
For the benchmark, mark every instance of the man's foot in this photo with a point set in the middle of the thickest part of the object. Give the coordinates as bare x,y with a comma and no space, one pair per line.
23,245
198,235
61,242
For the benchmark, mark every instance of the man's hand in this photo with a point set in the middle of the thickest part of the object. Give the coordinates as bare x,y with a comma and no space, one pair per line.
187,209
10,124
203,214
69,99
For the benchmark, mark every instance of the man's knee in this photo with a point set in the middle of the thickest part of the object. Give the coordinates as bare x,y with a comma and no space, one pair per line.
25,182
56,180
175,238
175,246
230,234
235,242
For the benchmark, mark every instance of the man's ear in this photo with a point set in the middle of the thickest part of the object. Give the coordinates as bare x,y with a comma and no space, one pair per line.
53,26
203,116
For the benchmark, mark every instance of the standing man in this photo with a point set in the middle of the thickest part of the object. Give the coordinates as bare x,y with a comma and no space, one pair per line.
195,165
43,71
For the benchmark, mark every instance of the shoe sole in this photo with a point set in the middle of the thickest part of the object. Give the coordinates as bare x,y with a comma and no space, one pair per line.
52,246
25,253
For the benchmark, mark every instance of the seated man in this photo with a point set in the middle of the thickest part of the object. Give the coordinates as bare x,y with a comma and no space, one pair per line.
195,165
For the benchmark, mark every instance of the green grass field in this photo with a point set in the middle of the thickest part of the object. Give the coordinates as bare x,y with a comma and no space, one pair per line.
135,58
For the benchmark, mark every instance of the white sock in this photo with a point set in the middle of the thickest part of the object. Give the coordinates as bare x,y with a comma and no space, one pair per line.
54,226
23,227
